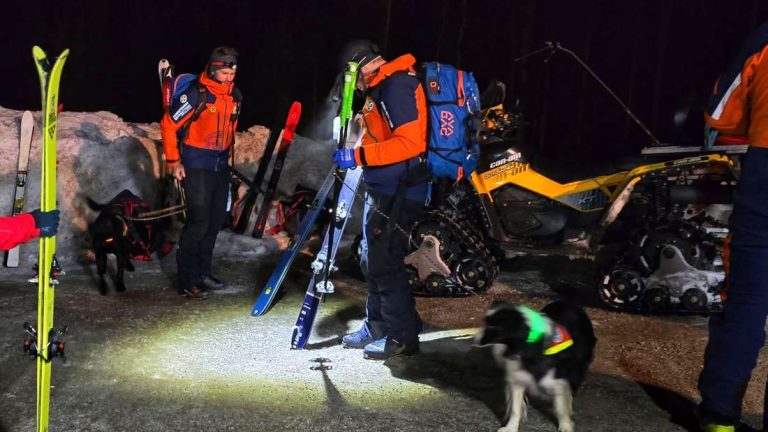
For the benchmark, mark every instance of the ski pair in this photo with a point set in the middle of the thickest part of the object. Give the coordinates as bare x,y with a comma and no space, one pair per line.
351,182
324,263
319,285
50,76
339,213
269,292
285,138
25,143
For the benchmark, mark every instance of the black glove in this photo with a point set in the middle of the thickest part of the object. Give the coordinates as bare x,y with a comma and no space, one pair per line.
48,222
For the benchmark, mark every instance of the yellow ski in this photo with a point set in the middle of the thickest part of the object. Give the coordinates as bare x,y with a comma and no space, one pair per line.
49,86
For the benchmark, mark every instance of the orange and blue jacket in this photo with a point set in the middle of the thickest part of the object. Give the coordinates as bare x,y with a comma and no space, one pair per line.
15,230
395,128
739,103
206,141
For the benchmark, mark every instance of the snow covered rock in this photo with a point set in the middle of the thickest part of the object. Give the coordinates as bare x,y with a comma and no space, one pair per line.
100,154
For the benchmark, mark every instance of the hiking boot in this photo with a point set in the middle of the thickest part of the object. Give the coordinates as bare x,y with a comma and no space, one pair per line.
358,339
387,347
212,282
712,427
194,293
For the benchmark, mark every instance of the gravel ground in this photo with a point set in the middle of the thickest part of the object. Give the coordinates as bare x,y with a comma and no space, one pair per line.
147,360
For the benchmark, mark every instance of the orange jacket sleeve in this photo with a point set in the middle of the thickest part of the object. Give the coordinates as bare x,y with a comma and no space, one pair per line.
15,230
406,142
402,109
169,127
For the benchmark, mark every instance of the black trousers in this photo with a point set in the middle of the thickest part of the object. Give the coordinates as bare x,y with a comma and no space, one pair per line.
206,193
390,307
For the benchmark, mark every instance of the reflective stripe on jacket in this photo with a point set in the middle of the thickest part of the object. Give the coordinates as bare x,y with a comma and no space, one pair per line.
739,102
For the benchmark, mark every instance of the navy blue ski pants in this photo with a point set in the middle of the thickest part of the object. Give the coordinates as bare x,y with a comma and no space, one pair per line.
737,335
206,193
390,308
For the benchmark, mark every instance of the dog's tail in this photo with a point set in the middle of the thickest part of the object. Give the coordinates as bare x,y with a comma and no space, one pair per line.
94,205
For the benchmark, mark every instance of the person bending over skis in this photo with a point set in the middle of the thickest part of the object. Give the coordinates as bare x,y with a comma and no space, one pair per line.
395,124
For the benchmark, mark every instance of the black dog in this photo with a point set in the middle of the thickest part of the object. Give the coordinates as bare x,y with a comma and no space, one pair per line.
114,232
543,354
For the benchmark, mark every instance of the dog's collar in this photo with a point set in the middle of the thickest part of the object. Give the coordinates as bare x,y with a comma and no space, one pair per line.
559,340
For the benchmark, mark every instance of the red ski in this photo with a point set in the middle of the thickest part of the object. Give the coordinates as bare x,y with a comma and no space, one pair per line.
282,151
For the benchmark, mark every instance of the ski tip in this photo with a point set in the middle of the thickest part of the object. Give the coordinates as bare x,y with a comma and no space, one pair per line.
38,52
259,308
294,113
296,342
64,54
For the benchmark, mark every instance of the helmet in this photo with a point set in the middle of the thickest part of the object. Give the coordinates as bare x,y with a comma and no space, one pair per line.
360,51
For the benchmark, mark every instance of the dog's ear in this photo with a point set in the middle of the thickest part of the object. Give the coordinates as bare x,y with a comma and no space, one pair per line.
502,325
497,303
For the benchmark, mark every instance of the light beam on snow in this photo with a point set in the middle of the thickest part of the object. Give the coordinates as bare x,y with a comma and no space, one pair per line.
244,360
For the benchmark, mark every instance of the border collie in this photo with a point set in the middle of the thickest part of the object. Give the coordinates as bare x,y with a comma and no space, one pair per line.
544,354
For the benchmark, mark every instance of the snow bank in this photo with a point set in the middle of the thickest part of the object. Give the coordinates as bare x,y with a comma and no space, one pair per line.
100,154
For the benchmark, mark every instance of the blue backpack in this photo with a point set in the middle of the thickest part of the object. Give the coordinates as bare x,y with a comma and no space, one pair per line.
179,84
453,100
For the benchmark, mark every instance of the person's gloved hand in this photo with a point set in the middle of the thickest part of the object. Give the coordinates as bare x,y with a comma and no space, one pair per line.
345,158
48,222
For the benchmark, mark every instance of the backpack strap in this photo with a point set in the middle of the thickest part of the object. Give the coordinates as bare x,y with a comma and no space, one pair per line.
202,98
237,97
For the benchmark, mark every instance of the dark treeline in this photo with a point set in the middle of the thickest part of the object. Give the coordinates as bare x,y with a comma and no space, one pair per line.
660,56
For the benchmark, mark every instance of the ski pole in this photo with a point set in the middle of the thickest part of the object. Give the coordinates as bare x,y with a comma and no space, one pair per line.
350,79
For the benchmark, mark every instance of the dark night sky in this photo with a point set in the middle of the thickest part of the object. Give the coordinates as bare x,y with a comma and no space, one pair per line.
658,55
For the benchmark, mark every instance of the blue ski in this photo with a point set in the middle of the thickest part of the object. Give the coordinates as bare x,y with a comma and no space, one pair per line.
278,275
319,285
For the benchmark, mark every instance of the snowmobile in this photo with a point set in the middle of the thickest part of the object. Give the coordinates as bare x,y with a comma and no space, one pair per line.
655,226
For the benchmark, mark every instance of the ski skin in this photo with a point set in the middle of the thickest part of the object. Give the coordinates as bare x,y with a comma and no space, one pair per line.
268,294
282,151
312,298
25,143
50,77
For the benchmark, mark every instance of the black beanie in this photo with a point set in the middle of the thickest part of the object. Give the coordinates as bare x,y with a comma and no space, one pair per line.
217,62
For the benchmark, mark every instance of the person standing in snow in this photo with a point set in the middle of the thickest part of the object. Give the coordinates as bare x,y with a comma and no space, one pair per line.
197,141
15,230
739,106
395,135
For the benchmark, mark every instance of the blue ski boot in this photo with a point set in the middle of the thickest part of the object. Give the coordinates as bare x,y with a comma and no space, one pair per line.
358,339
387,347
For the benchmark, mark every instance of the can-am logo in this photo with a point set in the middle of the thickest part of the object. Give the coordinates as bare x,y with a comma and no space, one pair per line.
446,123
511,158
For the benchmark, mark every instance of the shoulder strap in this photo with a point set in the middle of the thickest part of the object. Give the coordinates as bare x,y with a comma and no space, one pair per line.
237,97
202,98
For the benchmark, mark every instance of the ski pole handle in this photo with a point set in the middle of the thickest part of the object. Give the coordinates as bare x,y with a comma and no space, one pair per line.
350,79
